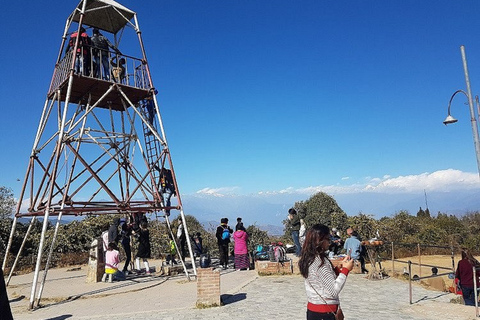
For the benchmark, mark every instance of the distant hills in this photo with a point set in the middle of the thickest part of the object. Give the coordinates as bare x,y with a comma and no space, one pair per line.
271,209
267,211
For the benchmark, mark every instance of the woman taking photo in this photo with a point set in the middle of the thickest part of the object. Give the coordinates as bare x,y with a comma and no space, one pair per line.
323,282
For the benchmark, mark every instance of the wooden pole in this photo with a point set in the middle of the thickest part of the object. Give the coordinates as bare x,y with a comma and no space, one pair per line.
419,260
410,280
393,262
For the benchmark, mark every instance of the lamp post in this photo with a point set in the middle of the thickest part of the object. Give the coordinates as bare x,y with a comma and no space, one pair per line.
468,94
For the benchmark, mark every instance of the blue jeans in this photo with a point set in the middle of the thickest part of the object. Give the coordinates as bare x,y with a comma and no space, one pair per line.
103,56
167,193
296,240
468,296
79,63
119,275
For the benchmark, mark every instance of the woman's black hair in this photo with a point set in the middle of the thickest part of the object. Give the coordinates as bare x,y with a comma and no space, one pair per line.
313,247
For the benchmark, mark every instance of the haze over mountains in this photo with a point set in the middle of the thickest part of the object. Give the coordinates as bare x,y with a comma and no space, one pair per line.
446,191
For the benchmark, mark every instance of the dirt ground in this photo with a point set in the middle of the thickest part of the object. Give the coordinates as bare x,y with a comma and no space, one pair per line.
443,263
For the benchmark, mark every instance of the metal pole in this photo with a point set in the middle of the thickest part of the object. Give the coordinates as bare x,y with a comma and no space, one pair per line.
473,120
12,269
410,280
419,260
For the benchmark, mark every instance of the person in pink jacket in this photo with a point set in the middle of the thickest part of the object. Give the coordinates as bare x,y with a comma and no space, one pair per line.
240,237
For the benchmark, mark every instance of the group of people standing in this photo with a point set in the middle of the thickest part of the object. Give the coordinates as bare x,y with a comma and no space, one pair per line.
138,227
105,65
240,238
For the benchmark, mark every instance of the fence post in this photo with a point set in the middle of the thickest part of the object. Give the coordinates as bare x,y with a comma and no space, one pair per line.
393,262
410,280
419,260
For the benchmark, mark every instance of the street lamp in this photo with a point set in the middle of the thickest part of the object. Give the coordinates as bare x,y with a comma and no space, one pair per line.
468,94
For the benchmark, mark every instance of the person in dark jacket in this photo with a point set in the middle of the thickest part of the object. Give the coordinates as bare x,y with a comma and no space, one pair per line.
101,46
113,235
143,247
82,59
464,274
223,239
197,245
294,226
125,235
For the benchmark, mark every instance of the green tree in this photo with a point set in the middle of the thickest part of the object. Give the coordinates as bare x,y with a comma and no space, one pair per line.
321,208
402,227
421,213
365,225
427,213
256,236
7,202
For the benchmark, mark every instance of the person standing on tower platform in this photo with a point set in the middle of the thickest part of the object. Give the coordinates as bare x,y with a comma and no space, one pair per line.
100,52
82,60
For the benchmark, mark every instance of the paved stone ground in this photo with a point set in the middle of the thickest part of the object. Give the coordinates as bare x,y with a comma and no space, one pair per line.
246,296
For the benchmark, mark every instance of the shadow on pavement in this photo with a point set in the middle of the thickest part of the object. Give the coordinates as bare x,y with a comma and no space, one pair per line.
17,299
62,317
105,291
431,297
232,298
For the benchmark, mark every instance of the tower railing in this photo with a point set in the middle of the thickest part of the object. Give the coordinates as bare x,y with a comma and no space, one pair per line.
103,65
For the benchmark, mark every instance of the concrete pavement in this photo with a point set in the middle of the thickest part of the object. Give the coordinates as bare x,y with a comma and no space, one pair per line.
245,295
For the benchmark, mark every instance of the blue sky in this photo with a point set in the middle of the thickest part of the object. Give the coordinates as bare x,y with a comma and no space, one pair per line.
273,96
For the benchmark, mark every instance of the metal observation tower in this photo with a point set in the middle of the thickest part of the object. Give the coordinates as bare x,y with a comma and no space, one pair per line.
100,146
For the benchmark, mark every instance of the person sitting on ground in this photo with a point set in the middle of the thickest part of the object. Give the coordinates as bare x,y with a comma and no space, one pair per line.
240,238
436,282
336,242
112,259
464,274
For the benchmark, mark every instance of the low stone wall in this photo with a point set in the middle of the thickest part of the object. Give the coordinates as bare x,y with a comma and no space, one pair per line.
265,268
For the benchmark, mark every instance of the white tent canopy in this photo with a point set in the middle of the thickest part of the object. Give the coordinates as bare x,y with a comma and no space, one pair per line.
107,15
